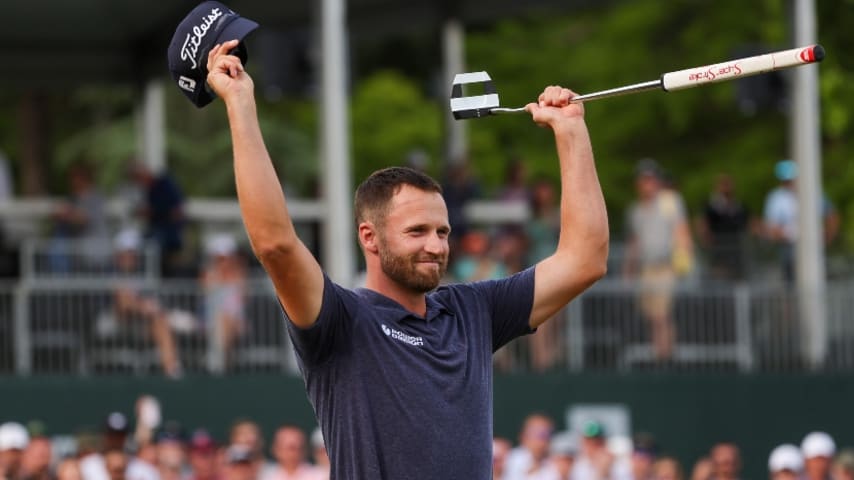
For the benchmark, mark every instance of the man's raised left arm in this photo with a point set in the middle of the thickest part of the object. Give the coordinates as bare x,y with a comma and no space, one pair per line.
582,252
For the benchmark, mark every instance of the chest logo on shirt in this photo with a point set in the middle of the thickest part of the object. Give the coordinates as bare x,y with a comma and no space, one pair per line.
400,336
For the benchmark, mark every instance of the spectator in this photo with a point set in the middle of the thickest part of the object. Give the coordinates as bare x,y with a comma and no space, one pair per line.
515,187
818,449
224,282
203,460
132,306
79,225
511,246
458,189
289,450
667,468
659,250
644,453
111,438
90,444
116,431
13,441
477,260
533,450
786,463
247,433
702,469
595,461
170,442
35,460
68,469
544,226
148,416
843,465
562,452
163,210
726,461
143,466
723,229
500,450
240,463
116,463
319,454
781,217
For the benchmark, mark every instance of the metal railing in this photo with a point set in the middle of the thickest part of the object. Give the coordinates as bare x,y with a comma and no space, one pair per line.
75,328
61,317
82,328
716,328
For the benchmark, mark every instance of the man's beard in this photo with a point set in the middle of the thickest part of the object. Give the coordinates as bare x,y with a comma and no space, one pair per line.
403,269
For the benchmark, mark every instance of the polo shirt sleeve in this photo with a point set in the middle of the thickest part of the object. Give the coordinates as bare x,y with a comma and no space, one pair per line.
509,301
315,345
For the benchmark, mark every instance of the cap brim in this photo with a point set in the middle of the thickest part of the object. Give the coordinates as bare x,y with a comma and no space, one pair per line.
236,30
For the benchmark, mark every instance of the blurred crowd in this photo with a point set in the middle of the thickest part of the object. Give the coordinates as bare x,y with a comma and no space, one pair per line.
661,247
147,448
664,243
153,449
593,454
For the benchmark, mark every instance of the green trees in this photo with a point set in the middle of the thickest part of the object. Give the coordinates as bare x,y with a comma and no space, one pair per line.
694,133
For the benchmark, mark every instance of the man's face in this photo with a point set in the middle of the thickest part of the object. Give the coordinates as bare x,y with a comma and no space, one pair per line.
289,447
784,475
725,461
116,463
817,467
170,456
10,459
642,465
536,437
667,469
36,457
647,185
68,469
563,464
204,462
592,445
413,241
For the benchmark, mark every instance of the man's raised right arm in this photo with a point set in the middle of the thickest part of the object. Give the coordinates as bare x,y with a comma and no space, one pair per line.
296,275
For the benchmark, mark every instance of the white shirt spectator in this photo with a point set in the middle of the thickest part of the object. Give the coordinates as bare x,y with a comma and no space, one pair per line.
92,467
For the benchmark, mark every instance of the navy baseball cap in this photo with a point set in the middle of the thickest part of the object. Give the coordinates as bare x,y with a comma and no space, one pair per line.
209,24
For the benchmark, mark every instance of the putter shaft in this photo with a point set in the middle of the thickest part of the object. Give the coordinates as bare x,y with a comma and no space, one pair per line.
612,92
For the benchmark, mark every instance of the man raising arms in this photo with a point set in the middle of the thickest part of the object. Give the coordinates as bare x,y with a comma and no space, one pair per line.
400,373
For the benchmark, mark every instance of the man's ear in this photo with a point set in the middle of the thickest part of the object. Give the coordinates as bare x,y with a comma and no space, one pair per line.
368,237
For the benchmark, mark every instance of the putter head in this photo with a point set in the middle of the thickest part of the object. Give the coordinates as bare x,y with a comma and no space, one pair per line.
474,106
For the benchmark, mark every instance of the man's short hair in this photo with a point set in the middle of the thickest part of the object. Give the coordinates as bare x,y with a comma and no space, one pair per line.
374,194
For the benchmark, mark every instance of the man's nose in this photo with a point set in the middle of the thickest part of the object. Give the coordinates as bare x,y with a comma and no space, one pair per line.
435,244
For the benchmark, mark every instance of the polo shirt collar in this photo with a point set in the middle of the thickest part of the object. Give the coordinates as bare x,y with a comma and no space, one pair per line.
434,308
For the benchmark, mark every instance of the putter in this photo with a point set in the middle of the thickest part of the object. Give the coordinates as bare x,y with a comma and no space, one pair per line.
477,106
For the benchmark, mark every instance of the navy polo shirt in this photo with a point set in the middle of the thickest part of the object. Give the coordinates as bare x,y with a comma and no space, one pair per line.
399,396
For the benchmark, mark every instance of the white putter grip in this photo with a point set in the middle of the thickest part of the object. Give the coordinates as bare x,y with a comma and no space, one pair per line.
743,67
